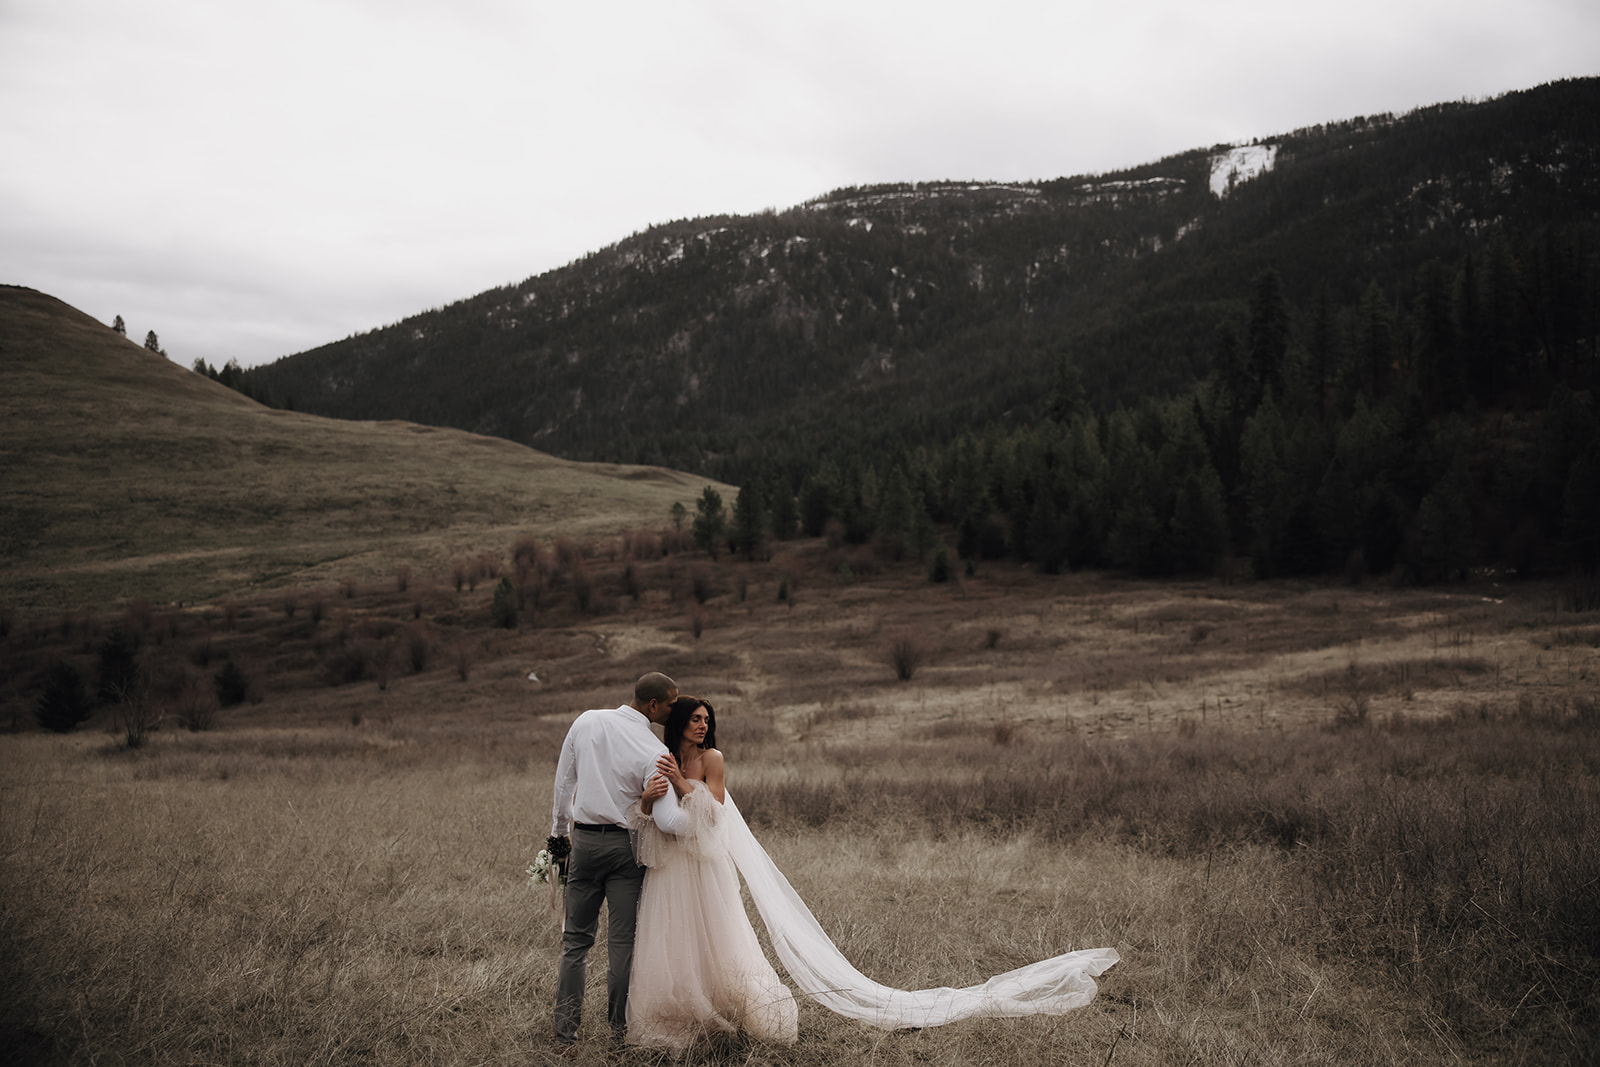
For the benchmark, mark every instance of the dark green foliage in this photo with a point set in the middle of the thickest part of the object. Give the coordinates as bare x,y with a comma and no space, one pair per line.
710,522
232,375
63,703
783,515
939,569
749,534
230,683
503,608
1083,374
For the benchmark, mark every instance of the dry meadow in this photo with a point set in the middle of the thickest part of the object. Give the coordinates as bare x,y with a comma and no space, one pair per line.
1321,823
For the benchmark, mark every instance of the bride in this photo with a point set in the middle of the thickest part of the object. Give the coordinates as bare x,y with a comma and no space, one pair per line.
697,966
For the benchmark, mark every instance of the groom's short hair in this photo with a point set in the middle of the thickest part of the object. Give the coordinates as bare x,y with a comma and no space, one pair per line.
653,686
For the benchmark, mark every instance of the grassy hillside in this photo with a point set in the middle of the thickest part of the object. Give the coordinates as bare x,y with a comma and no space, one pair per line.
128,477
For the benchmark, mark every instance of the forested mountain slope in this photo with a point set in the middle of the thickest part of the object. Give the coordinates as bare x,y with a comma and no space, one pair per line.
923,310
1371,345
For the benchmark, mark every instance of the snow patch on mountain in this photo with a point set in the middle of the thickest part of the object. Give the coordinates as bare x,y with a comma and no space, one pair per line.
1240,164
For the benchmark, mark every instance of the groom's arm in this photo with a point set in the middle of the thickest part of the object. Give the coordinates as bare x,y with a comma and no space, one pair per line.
565,789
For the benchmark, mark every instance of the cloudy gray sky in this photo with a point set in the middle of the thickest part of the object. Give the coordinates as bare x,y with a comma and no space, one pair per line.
254,179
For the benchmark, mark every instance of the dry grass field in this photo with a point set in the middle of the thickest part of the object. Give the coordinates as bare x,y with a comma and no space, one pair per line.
124,476
1322,824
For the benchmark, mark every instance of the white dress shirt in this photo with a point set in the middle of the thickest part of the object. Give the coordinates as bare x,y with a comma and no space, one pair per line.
608,756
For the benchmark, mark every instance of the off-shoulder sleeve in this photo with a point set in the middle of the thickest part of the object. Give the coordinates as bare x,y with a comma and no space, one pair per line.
702,837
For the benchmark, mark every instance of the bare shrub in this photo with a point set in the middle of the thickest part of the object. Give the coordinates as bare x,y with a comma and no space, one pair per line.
568,554
136,715
458,575
992,636
230,614
352,661
697,622
702,585
196,706
402,578
582,586
317,608
529,585
1003,732
347,589
137,617
1582,592
527,554
463,661
676,542
290,603
641,545
418,641
630,584
1353,705
906,654
386,663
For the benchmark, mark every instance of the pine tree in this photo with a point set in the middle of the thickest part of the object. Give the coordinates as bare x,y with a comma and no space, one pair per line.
710,523
119,327
1268,337
783,514
749,533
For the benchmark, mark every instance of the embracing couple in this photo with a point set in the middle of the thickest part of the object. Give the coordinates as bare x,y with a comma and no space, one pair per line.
656,838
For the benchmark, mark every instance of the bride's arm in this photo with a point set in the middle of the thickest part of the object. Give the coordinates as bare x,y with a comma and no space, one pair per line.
715,774
667,767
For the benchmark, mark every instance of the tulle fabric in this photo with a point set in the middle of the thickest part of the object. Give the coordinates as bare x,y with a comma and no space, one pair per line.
816,967
697,966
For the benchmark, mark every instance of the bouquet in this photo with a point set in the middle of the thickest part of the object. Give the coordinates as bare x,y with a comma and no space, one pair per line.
553,855
539,870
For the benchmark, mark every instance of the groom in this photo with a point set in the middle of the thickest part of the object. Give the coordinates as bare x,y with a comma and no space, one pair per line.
607,758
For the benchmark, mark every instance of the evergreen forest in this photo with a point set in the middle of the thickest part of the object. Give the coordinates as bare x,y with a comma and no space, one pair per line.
1377,356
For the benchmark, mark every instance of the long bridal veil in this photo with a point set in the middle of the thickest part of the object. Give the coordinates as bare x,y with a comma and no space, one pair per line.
1049,987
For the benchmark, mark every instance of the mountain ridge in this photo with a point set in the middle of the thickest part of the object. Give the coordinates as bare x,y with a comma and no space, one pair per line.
949,303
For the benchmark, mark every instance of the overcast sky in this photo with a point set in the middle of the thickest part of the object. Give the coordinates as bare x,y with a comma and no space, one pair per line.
254,179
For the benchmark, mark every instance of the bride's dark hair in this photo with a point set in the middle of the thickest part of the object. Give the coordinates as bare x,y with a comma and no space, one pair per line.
678,718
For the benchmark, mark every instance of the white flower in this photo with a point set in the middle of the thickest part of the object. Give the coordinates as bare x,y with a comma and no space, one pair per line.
539,870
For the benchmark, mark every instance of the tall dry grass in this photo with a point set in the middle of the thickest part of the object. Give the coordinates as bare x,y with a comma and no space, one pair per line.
327,894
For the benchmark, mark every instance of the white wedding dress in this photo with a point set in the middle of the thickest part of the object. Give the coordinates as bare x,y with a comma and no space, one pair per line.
697,966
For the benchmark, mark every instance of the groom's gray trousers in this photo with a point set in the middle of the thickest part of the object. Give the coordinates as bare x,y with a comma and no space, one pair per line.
602,869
